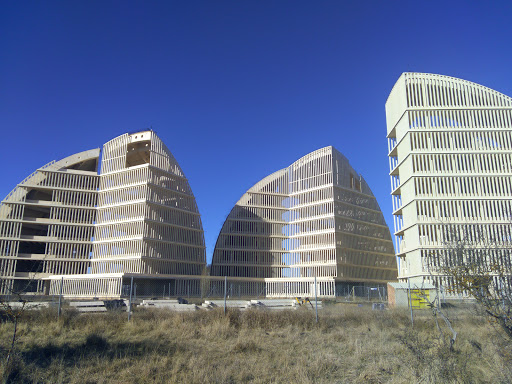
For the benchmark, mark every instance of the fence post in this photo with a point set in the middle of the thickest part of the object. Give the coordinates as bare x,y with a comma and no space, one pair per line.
225,291
60,297
409,297
169,290
130,301
316,300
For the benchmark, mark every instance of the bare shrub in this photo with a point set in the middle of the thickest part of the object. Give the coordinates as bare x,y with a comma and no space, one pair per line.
478,264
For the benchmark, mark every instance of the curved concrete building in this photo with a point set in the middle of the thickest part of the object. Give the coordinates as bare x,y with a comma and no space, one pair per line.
47,223
315,218
148,221
91,233
450,152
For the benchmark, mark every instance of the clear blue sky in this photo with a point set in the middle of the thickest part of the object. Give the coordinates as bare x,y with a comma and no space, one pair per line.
238,89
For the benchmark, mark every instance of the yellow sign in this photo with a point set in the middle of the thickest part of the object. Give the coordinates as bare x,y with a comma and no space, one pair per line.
419,298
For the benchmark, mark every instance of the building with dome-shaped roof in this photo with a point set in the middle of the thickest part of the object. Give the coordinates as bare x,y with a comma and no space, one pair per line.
47,223
316,218
68,226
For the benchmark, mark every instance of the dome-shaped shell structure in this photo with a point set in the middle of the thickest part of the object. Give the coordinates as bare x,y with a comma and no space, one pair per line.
47,222
317,217
68,230
148,222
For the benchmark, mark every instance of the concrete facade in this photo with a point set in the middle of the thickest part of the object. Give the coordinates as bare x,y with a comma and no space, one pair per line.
88,231
47,223
450,154
315,218
147,217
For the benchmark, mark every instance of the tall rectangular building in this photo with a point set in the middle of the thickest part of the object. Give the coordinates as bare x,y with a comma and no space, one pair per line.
450,156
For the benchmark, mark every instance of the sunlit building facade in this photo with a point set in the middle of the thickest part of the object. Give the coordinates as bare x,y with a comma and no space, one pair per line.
89,233
47,223
316,218
450,152
147,217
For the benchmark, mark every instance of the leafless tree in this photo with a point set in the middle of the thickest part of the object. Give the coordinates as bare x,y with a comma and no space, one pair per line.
479,264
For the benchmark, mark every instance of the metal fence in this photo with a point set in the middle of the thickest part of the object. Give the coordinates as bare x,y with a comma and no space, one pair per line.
118,286
361,293
120,291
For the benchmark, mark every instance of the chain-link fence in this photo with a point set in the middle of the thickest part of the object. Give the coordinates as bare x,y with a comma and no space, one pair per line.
121,286
361,293
122,292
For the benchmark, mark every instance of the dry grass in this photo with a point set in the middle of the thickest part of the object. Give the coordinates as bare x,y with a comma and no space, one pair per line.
348,345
